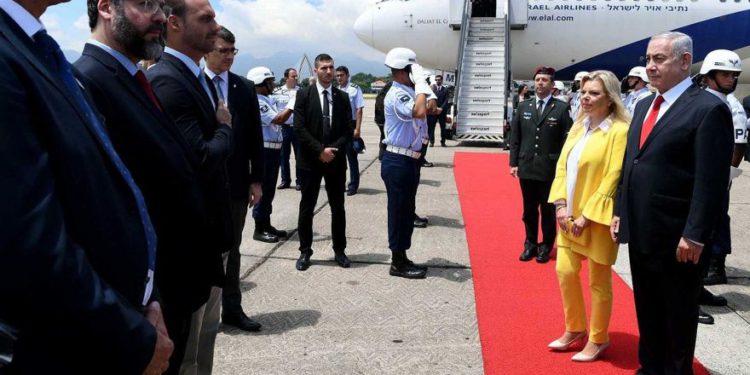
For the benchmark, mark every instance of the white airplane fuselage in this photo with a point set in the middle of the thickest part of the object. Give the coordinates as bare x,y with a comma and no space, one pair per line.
570,36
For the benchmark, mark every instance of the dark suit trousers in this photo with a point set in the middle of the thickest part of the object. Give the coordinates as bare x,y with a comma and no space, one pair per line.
431,122
381,145
666,304
231,297
335,178
400,174
351,156
289,142
178,327
535,196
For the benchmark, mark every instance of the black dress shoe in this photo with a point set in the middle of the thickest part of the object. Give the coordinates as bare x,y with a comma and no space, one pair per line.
427,164
351,192
543,256
704,317
709,299
422,219
276,232
419,224
283,185
264,236
342,259
298,187
241,321
442,143
303,262
529,252
408,271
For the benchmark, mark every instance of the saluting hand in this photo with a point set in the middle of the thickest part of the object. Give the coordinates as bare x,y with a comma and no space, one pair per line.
223,116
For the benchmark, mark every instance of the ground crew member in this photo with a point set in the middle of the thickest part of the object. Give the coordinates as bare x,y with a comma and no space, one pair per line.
538,132
719,73
271,120
575,98
283,94
405,134
357,101
637,81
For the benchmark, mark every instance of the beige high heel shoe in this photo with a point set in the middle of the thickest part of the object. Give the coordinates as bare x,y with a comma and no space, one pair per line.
560,346
580,357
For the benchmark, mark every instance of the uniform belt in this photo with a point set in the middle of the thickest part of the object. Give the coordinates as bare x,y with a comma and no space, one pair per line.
403,151
272,145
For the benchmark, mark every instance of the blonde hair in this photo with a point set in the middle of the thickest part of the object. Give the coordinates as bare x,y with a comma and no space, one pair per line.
611,86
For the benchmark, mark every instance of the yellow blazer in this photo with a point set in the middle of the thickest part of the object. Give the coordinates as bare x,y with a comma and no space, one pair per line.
598,175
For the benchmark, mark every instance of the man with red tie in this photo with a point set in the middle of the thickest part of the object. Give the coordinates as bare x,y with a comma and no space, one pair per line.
674,177
151,145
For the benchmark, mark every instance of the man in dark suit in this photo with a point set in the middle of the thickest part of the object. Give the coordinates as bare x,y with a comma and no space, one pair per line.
78,247
443,107
155,151
245,165
538,132
204,120
675,175
322,123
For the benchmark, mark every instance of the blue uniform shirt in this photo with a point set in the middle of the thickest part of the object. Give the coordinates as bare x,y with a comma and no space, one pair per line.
356,99
401,129
268,111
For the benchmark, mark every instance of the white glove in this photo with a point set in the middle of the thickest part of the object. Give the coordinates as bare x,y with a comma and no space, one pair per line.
419,78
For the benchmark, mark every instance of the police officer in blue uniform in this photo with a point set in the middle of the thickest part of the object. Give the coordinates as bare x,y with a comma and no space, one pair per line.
272,118
405,134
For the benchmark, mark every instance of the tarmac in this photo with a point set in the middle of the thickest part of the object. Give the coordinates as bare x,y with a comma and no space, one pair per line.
360,320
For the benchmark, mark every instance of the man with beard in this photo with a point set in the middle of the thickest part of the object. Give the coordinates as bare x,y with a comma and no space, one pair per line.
123,32
191,101
78,247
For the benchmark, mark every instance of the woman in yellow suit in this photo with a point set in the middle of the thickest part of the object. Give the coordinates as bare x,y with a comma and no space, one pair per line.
583,190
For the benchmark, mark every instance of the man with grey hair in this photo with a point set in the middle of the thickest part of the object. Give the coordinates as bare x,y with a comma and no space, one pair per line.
674,177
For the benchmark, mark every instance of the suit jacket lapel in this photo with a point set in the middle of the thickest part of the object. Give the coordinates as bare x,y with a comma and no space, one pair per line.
193,80
679,105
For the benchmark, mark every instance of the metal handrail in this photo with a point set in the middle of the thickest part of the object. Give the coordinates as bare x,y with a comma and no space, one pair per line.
465,23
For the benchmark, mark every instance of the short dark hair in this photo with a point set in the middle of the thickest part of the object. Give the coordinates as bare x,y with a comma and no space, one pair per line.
93,11
287,71
344,69
226,35
438,75
322,57
175,7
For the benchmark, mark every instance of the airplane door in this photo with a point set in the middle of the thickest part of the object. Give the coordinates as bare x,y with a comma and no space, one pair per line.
409,21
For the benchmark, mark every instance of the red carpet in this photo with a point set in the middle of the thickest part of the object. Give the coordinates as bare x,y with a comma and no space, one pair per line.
519,307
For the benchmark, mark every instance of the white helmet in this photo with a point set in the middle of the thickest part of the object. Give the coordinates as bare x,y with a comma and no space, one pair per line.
640,72
259,74
400,58
721,59
559,85
579,76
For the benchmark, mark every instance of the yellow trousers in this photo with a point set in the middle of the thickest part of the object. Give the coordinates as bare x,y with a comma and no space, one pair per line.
568,269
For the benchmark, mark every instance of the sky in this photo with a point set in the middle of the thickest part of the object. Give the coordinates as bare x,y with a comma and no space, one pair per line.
263,28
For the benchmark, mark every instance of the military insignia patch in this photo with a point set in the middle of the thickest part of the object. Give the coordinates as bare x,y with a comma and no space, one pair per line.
404,98
264,108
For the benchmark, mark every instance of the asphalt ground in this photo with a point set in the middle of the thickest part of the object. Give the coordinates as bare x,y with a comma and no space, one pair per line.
360,320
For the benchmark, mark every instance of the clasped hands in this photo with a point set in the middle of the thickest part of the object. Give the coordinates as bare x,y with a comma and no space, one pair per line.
568,223
327,155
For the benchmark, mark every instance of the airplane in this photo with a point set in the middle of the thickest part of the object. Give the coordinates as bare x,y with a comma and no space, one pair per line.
569,35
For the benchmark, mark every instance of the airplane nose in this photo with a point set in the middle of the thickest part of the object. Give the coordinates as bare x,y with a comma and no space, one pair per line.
363,27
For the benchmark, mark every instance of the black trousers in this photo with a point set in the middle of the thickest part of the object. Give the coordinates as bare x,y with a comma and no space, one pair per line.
431,122
231,298
335,177
535,196
666,303
178,327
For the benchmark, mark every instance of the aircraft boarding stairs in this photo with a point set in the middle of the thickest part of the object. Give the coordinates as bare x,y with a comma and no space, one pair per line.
482,80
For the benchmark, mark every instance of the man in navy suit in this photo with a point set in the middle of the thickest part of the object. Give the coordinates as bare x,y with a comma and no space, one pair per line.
442,112
186,94
674,177
78,247
245,166
155,151
322,123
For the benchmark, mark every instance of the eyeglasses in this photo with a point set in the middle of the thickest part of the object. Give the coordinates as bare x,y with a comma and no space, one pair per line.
226,51
152,6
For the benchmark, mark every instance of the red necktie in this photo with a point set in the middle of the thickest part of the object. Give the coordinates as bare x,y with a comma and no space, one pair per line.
648,125
146,86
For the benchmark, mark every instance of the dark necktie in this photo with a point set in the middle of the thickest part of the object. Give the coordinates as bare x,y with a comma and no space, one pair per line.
217,82
648,125
55,59
326,118
540,107
146,86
